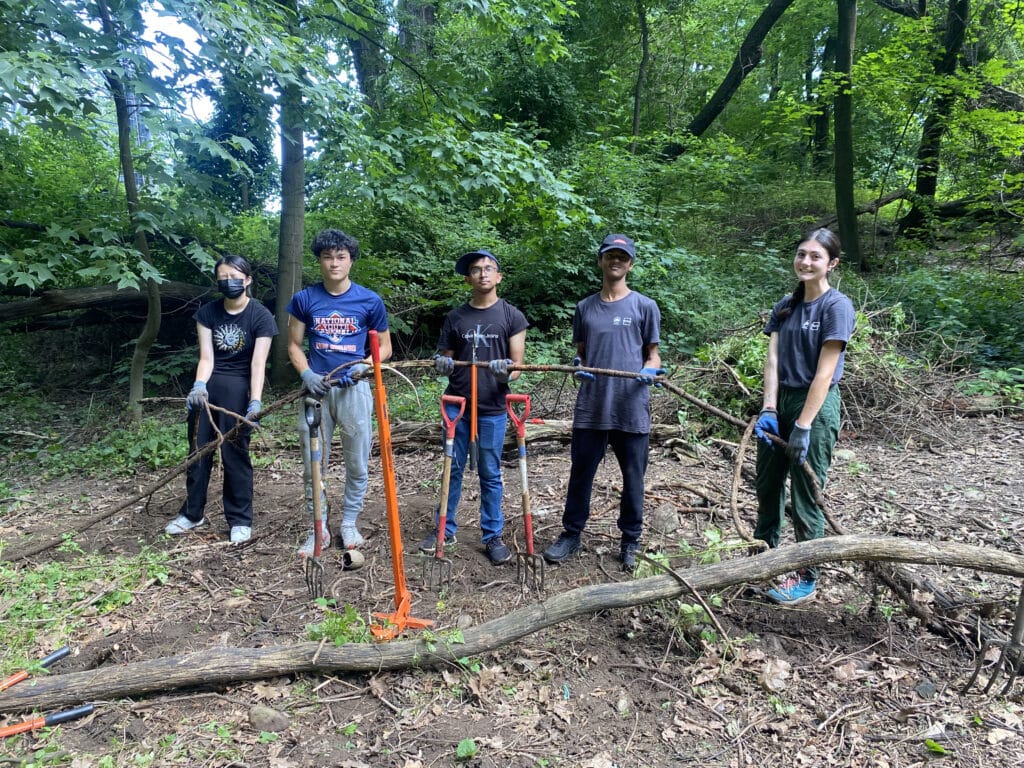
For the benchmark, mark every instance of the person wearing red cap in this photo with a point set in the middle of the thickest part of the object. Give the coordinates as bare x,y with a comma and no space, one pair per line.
617,329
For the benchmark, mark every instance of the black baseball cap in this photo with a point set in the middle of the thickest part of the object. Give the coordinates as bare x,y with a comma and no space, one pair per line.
462,265
617,243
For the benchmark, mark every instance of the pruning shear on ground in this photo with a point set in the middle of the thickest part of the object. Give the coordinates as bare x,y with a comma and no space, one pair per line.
49,720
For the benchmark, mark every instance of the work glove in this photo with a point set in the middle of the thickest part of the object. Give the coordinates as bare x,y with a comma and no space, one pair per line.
500,370
347,377
581,376
443,365
197,396
799,442
314,383
252,411
767,424
647,376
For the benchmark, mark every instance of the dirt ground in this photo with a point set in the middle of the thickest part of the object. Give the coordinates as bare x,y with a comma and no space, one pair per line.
849,679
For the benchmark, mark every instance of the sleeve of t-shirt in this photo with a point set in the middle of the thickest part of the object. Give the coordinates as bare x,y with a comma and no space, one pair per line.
517,321
652,328
378,316
445,340
839,321
203,315
773,321
265,323
577,327
297,307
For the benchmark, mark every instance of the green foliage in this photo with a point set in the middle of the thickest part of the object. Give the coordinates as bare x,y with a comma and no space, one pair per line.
466,750
340,627
51,601
1006,384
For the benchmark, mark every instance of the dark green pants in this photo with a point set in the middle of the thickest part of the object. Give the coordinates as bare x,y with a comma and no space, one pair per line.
773,467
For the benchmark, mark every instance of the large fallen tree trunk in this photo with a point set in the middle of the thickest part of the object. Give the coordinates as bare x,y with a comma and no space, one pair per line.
222,666
108,297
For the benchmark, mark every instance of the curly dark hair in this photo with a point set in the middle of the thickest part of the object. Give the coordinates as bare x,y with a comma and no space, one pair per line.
330,239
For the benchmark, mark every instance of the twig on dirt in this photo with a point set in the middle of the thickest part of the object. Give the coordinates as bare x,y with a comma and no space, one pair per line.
737,474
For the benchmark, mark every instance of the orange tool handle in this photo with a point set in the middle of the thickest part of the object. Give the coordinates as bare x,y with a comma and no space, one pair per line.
46,661
449,424
519,421
46,722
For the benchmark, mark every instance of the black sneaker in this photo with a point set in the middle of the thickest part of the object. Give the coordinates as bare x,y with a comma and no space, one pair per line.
627,555
429,544
565,545
497,551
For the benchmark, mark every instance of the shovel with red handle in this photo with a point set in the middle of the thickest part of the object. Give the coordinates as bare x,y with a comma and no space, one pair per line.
438,569
529,565
49,720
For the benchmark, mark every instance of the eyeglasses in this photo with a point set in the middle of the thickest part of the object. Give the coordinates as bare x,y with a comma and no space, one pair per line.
477,271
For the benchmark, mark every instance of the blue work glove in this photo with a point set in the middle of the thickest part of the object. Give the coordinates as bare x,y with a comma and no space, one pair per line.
197,396
767,424
443,365
799,442
314,383
500,370
252,411
581,376
647,376
346,378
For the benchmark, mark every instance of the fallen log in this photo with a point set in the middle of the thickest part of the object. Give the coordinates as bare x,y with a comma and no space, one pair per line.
217,667
106,297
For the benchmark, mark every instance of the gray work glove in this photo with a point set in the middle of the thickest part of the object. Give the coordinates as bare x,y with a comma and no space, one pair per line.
500,370
443,365
252,411
767,424
798,444
581,376
197,396
348,376
314,383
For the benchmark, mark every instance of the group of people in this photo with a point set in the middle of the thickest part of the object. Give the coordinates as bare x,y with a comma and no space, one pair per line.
616,329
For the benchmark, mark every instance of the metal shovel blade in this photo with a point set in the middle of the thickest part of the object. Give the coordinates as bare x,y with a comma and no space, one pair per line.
315,577
530,571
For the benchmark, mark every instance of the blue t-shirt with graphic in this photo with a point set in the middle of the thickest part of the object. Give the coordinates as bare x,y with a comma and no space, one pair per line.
830,317
337,327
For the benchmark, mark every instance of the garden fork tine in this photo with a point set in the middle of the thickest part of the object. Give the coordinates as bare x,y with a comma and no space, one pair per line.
438,569
1011,654
529,565
314,567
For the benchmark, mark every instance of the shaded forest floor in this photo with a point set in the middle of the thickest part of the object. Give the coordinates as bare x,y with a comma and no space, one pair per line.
848,679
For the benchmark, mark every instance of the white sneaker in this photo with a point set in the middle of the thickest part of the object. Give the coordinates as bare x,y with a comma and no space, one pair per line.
306,550
240,534
351,538
182,524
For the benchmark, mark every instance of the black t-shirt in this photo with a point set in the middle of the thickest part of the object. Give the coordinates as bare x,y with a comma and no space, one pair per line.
234,336
491,328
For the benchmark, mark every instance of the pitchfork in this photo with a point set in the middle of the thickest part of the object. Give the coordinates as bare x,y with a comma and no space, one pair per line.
315,568
529,566
437,571
1011,654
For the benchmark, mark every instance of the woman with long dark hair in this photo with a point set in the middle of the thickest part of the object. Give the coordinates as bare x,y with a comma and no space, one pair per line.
234,341
808,333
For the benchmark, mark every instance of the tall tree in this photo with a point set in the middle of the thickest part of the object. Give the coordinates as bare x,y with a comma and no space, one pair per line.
844,171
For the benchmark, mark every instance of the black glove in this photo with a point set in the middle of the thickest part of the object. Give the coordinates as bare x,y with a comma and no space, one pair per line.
767,424
443,365
315,384
347,377
500,370
647,376
252,411
581,376
798,444
197,396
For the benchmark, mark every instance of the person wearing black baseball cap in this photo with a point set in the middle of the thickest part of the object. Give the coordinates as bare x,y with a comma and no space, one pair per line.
487,329
616,329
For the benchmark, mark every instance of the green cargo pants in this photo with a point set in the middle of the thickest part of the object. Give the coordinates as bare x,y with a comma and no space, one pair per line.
773,468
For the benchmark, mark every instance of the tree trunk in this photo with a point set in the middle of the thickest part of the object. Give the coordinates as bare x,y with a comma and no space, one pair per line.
821,158
934,127
845,202
293,212
223,666
641,73
124,145
104,297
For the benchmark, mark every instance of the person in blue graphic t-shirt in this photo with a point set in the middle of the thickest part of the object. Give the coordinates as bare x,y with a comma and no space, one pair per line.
616,329
336,316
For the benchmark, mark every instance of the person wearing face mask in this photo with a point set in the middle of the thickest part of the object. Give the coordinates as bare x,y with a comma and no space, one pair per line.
234,341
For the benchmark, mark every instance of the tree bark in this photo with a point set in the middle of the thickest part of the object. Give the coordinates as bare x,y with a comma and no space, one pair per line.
107,297
641,72
222,666
844,174
293,216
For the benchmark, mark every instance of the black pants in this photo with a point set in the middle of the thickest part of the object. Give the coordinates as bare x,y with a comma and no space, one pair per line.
588,448
231,392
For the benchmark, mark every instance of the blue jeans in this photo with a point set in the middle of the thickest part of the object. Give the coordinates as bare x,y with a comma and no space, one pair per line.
490,439
351,409
588,449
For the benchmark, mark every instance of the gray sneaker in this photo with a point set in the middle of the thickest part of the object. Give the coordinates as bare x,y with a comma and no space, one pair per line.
182,524
497,551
